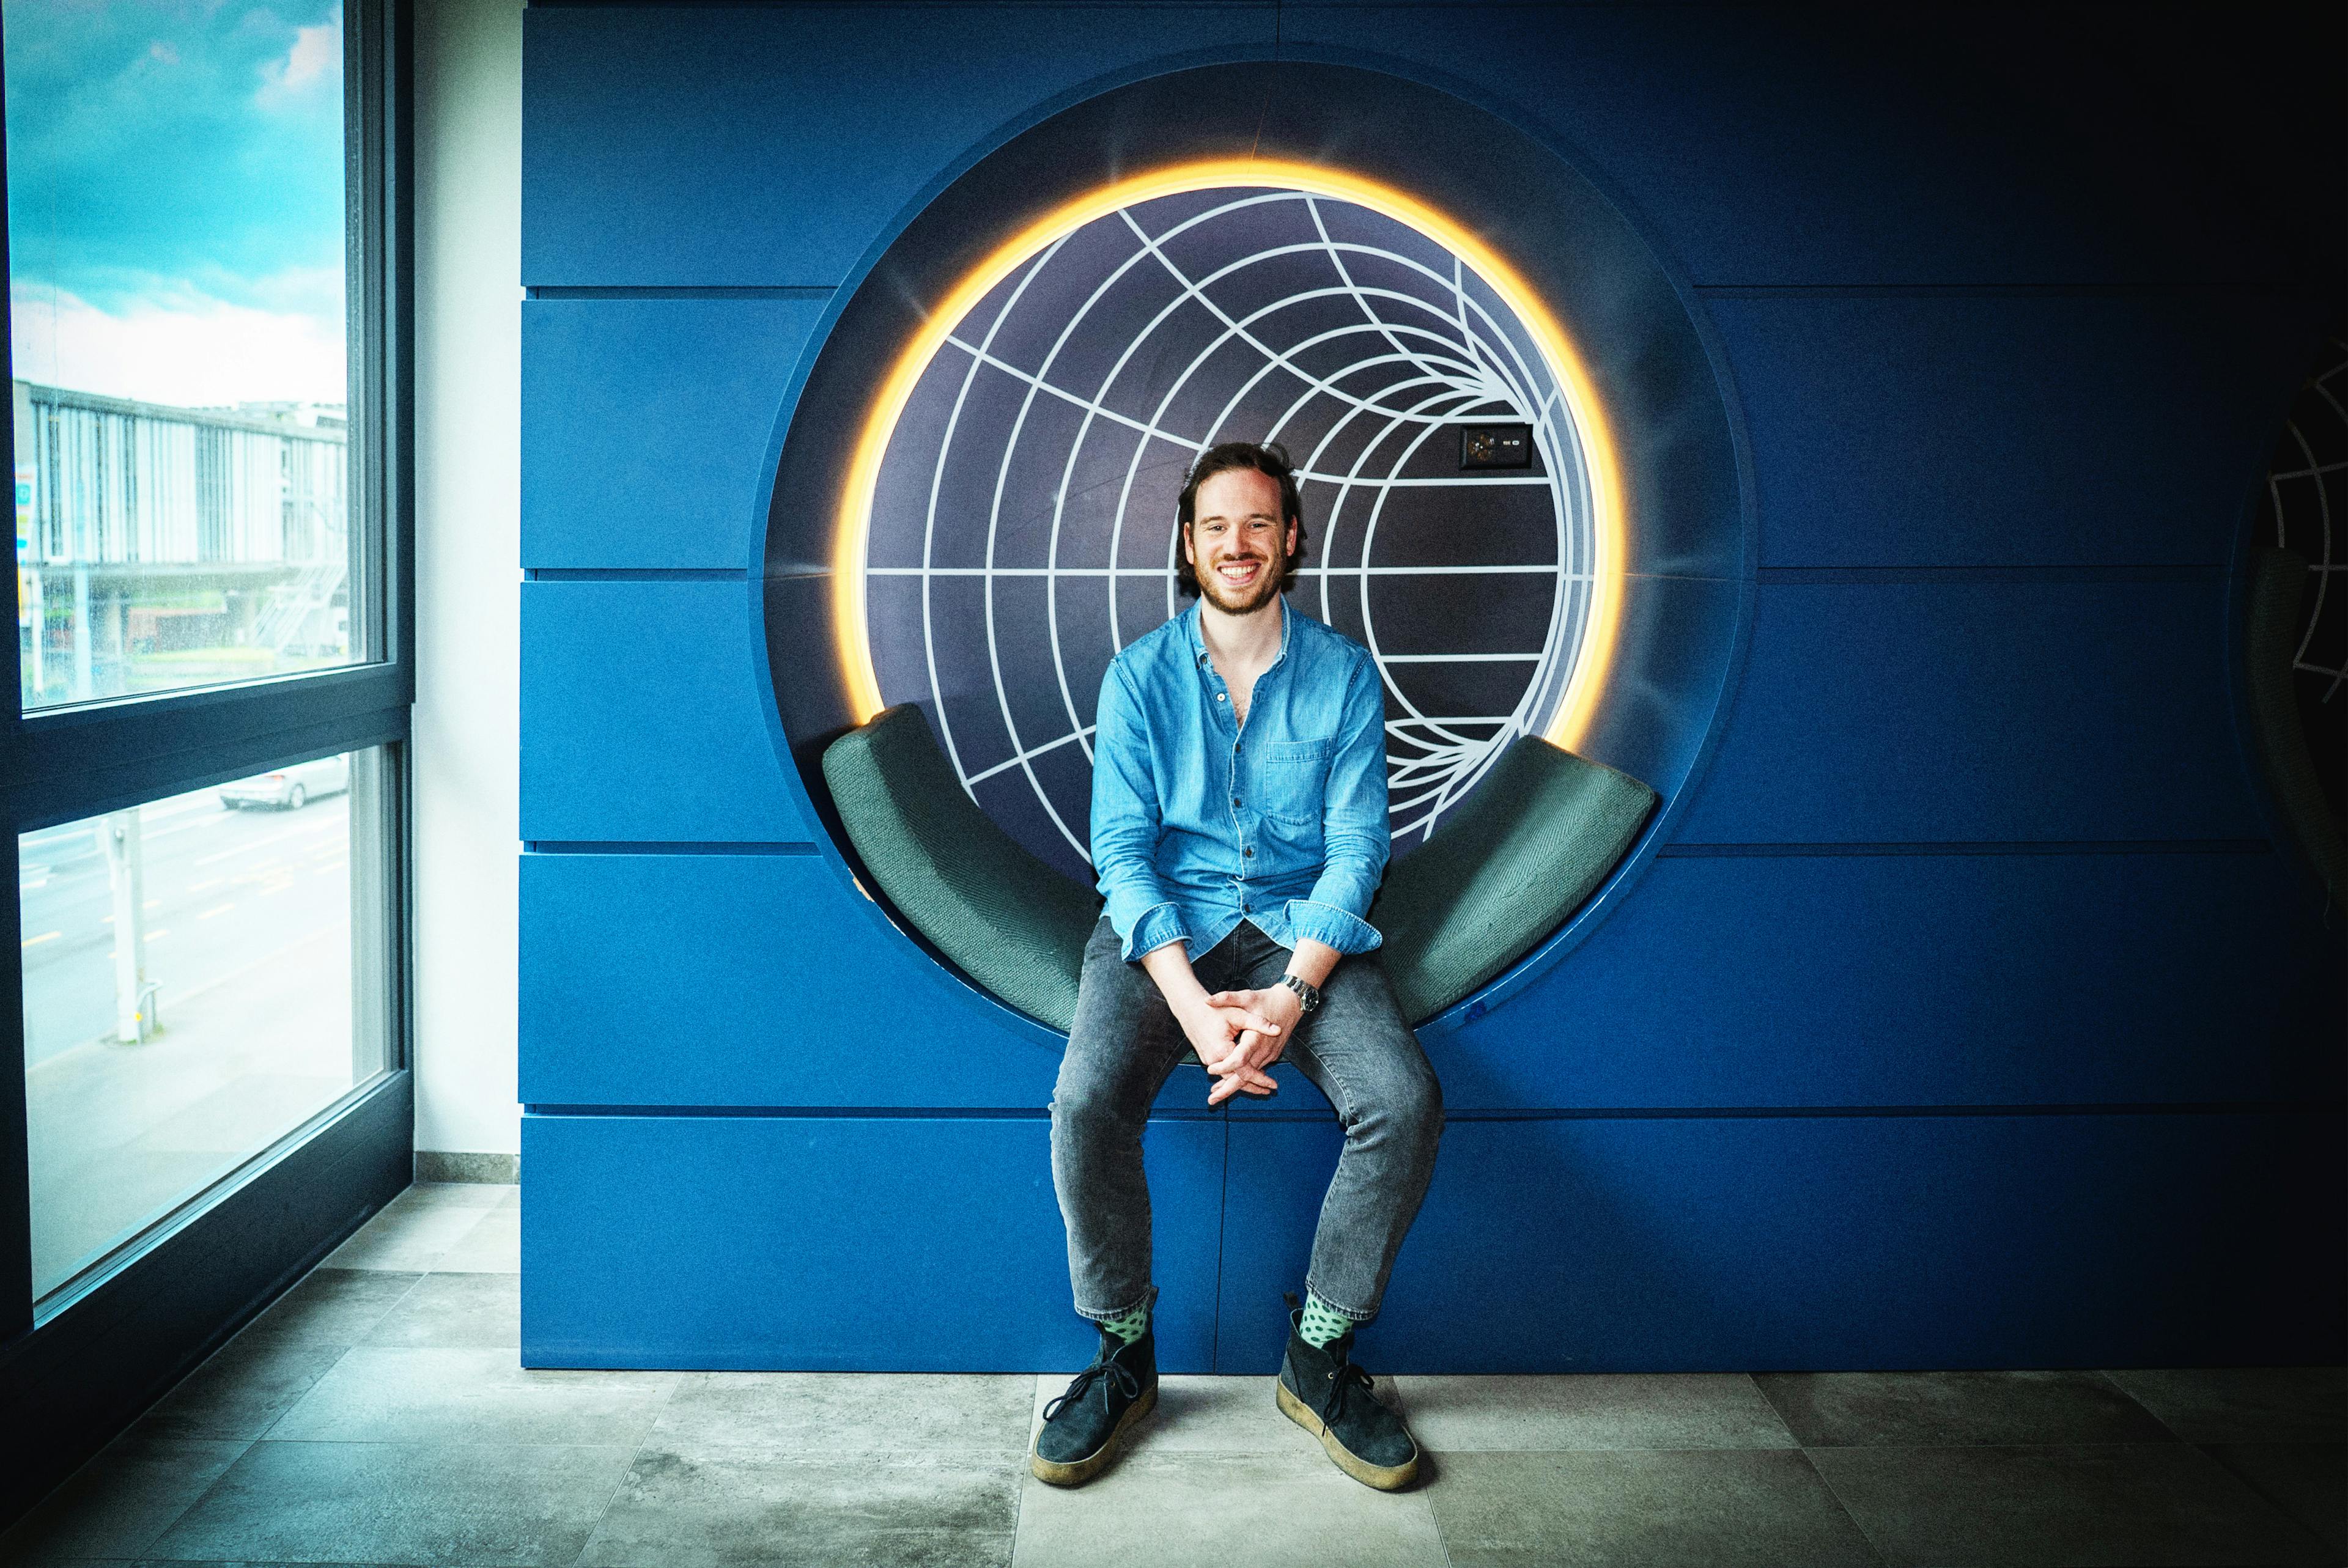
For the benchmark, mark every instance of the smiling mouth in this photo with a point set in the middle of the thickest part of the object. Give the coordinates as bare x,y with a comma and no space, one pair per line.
1239,572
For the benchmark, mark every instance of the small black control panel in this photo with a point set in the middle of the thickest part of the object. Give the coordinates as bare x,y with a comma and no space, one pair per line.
1496,447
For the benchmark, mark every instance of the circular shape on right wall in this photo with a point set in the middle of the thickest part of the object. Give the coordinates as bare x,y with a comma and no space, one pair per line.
2304,508
978,454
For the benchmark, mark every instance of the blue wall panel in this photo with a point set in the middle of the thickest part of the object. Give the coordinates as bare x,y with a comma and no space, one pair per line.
1785,146
879,1244
1823,1243
746,979
1925,980
2010,430
1917,709
771,146
641,717
1996,481
644,425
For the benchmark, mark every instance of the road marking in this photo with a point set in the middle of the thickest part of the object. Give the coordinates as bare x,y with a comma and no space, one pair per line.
217,909
247,847
44,937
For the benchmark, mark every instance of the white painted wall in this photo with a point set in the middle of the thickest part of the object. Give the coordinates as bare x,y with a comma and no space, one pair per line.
468,572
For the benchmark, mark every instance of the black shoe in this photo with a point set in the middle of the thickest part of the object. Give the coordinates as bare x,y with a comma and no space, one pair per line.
1322,1391
1081,1427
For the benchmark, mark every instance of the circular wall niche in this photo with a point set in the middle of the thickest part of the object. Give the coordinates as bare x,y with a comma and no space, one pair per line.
973,500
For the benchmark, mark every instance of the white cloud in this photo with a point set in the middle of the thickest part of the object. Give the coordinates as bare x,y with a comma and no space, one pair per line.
191,351
316,57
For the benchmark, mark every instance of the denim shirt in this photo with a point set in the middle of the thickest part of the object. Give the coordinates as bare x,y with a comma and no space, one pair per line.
1200,823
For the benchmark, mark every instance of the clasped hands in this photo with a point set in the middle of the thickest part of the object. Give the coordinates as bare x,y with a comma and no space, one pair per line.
1239,1034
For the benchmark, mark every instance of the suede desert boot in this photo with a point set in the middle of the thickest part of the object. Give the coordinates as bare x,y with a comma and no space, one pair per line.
1322,1391
1083,1427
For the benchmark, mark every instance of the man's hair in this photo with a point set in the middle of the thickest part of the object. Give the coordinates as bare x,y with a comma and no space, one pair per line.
1269,458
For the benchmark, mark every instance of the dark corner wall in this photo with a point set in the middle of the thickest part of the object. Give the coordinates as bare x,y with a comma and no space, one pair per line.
1968,1009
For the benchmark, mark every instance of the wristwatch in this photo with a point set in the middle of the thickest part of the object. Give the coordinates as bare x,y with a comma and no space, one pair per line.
1308,994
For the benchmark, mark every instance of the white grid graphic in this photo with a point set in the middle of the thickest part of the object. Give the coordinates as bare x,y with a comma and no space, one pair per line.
1045,443
2300,498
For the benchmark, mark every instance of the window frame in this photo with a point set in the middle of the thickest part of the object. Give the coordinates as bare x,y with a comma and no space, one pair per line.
110,1342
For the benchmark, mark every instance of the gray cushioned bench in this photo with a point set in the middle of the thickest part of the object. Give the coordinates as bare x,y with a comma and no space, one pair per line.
1507,866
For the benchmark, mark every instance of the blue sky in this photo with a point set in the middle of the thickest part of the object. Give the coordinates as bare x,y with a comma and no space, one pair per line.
175,196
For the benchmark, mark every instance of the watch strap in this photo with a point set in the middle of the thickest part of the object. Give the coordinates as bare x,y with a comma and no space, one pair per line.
1306,993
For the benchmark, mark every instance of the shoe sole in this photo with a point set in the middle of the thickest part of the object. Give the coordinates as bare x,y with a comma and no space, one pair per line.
1386,1478
1078,1471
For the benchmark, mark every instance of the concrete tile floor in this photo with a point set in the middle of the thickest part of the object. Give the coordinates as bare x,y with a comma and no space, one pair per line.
376,1414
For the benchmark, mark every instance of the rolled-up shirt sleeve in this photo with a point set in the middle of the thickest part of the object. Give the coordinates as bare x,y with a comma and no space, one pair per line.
1126,824
1355,841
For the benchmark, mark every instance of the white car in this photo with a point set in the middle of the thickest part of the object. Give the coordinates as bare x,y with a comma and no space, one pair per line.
290,788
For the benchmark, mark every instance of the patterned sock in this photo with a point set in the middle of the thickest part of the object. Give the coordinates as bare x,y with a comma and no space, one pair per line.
1322,1322
1132,1325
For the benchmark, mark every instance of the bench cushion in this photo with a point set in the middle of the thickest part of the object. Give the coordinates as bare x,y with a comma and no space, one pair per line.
1507,865
1004,918
1506,868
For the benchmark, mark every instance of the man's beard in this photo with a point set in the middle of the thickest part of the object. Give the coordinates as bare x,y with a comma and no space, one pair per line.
1259,593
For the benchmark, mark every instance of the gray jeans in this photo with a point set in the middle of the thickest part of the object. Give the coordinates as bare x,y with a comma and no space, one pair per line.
1357,1048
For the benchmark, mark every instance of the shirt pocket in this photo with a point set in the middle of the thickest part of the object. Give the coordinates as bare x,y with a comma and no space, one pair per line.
1295,781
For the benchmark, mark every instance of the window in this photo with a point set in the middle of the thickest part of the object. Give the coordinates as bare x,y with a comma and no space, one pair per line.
189,971
206,767
177,303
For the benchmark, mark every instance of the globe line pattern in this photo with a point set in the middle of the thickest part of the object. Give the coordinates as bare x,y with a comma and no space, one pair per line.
1065,407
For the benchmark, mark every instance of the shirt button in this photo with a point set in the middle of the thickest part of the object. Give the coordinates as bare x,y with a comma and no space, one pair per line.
1249,853
1219,696
1235,800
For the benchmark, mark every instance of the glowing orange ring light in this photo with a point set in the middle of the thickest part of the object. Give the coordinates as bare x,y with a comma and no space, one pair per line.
1575,706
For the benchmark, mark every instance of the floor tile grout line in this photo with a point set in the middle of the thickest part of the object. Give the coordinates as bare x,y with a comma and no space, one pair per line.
1019,1495
2128,1394
2279,1511
635,1456
2251,1484
1784,1424
147,1547
245,1445
1865,1536
1434,1514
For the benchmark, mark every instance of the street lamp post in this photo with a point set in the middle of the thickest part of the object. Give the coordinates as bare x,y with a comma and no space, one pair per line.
134,994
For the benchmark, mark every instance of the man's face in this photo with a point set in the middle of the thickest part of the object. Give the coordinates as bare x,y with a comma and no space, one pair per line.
1237,542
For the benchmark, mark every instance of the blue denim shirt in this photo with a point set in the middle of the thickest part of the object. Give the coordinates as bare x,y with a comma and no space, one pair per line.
1200,823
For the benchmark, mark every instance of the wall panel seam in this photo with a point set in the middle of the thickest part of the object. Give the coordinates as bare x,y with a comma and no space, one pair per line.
1826,848
2254,287
680,291
1840,575
665,846
633,574
2328,1108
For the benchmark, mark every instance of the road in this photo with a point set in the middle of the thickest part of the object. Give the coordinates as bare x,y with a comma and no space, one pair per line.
225,891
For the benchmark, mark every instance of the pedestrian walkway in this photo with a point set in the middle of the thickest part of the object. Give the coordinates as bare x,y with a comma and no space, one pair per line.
377,1414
